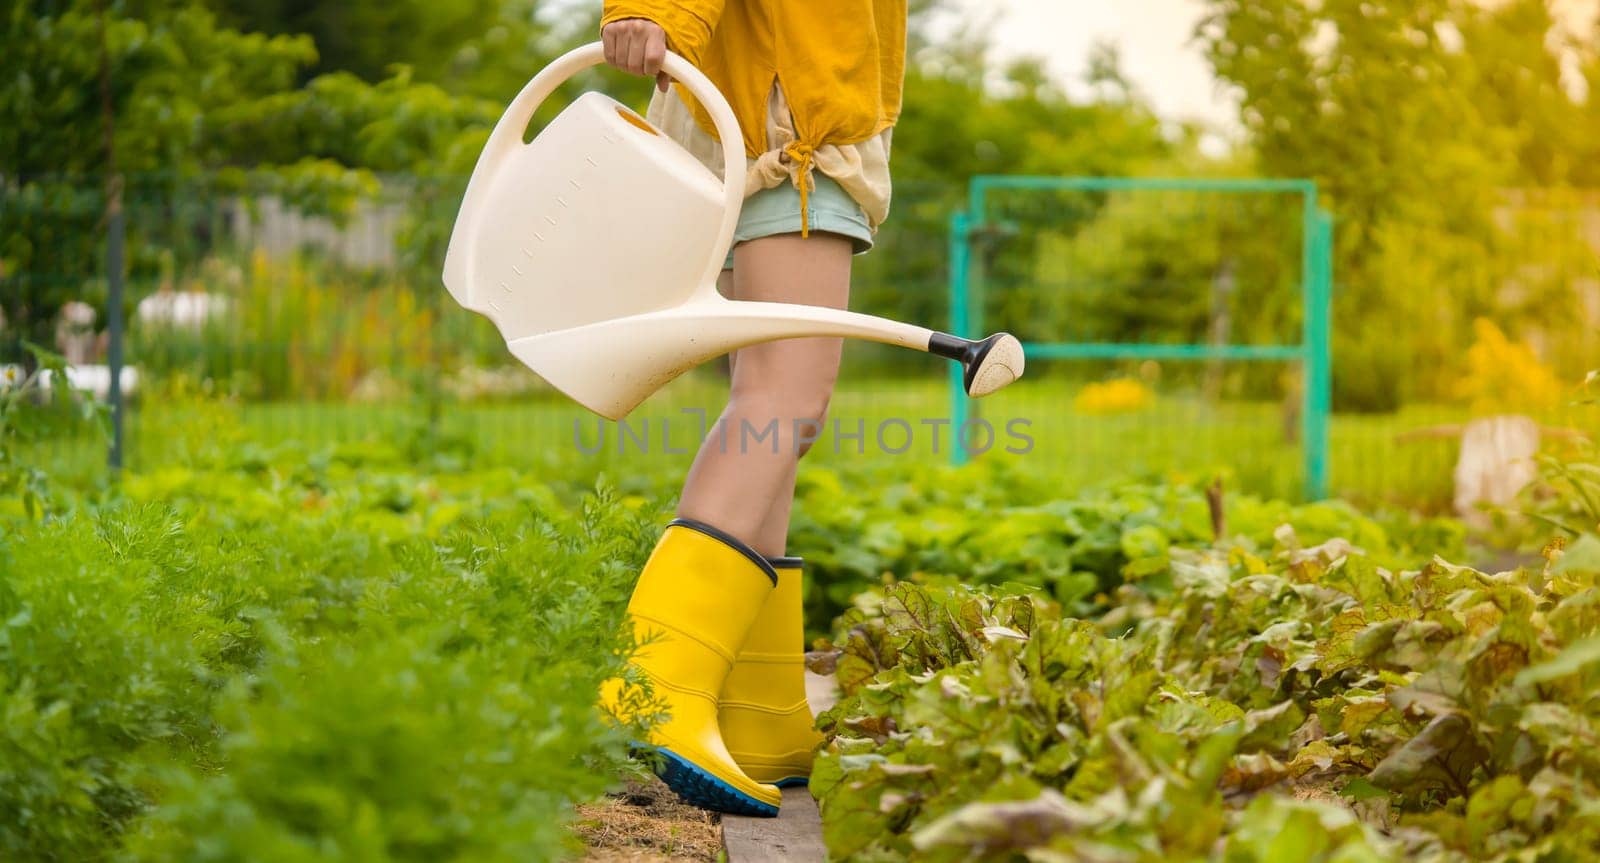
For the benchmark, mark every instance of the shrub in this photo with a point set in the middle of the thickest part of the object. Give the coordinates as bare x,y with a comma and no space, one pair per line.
309,329
1505,376
1369,374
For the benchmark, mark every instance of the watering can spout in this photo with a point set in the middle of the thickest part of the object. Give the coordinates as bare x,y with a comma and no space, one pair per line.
655,348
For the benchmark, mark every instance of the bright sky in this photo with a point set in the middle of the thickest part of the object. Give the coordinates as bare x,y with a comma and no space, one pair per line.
1155,38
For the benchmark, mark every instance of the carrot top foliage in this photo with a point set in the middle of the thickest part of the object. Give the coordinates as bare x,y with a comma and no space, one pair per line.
334,658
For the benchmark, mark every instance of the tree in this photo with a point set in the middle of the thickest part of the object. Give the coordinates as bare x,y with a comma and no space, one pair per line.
202,112
1517,85
1375,100
1586,171
52,131
367,37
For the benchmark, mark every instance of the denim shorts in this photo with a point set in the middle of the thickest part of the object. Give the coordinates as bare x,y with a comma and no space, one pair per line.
777,211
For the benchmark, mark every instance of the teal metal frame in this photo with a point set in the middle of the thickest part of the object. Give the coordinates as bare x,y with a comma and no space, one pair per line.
1313,352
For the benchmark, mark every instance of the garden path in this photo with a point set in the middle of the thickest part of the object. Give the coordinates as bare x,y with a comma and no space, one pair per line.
796,834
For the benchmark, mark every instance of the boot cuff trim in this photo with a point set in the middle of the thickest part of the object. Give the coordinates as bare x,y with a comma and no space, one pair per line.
791,562
730,541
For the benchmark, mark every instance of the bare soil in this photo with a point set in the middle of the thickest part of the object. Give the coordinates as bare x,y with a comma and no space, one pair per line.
647,822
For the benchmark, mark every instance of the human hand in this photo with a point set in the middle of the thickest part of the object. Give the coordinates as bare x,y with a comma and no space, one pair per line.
637,46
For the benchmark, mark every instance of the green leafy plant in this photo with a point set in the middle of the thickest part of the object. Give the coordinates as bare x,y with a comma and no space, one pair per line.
34,405
861,527
322,655
1292,702
1566,496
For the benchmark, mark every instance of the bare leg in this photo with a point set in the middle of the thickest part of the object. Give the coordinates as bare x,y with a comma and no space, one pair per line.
772,537
742,480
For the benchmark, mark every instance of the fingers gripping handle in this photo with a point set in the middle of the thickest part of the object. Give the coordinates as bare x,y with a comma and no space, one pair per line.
508,131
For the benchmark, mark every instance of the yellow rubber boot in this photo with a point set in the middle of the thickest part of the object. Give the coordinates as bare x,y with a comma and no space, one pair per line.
765,719
691,610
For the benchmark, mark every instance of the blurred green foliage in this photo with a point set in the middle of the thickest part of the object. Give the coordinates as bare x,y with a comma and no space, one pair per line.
317,103
1415,118
32,408
882,525
194,105
358,653
367,37
376,337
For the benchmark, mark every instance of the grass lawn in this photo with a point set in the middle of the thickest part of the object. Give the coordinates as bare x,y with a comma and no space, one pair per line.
899,419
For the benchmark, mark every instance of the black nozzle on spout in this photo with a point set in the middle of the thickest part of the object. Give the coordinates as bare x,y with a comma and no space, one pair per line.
981,359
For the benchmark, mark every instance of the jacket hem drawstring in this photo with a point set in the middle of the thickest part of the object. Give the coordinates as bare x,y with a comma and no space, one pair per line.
800,154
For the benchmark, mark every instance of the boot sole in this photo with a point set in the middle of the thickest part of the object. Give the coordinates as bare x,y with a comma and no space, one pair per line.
698,787
793,782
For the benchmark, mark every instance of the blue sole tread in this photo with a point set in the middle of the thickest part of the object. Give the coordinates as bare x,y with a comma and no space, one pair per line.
698,787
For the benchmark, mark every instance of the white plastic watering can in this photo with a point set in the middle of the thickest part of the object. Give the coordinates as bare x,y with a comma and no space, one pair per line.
595,250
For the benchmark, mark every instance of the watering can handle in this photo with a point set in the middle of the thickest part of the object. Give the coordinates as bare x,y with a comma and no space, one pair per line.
513,123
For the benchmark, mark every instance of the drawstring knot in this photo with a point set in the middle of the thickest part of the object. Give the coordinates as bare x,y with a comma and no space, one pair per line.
800,154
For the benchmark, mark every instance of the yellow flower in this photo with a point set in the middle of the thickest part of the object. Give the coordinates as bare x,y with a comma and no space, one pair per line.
1119,395
1503,375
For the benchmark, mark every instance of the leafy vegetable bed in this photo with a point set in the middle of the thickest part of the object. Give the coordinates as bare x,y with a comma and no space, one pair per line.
1289,703
994,524
326,658
375,652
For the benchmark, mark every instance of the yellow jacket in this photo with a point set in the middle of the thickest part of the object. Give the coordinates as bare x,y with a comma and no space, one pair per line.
841,63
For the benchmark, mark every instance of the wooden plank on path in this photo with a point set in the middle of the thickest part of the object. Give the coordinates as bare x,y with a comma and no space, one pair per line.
796,834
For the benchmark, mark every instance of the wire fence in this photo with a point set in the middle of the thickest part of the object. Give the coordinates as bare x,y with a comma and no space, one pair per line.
255,316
